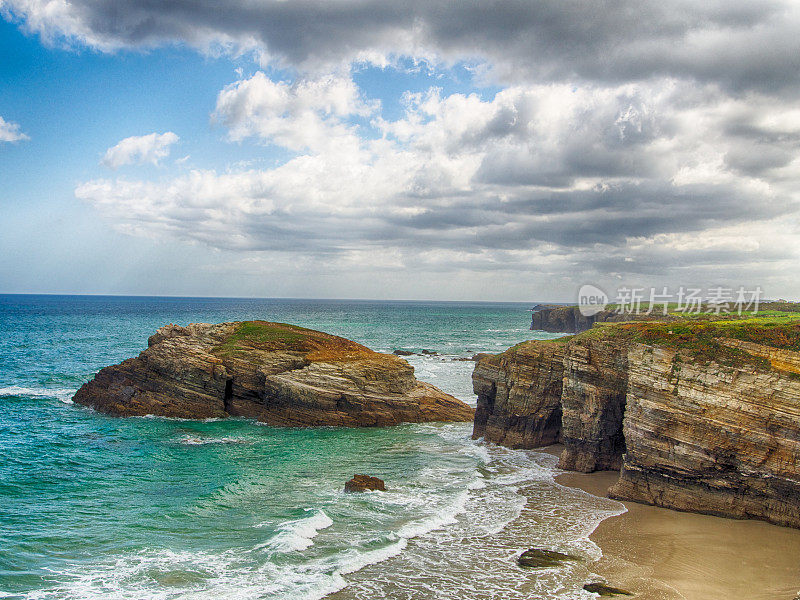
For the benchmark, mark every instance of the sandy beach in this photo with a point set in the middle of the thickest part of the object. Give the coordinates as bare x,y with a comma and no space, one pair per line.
661,554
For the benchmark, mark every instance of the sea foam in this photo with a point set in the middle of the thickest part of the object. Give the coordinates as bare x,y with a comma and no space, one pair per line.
298,534
63,394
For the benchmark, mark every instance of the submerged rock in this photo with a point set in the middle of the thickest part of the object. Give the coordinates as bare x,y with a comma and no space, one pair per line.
362,483
279,374
537,558
605,590
403,353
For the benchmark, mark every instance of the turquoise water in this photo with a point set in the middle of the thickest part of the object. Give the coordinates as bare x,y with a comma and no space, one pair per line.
98,507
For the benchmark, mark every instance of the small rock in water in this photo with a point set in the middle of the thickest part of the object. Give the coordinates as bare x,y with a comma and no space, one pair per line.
430,353
541,559
605,590
362,483
403,353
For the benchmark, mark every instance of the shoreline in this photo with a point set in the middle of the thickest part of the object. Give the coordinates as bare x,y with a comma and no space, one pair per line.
662,554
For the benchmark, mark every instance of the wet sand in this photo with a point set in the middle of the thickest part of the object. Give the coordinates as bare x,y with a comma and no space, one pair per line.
661,554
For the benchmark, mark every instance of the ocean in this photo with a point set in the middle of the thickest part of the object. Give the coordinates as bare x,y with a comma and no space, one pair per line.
147,508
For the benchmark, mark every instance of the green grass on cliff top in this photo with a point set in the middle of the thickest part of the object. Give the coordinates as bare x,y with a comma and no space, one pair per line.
698,334
264,335
701,338
254,334
267,336
672,311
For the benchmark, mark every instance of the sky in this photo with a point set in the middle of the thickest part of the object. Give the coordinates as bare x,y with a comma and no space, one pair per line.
498,151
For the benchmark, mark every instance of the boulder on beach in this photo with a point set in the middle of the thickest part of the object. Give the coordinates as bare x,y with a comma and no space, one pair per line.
276,373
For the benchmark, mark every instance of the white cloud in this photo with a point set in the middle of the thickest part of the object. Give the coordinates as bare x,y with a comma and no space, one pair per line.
539,179
305,115
139,150
10,132
656,138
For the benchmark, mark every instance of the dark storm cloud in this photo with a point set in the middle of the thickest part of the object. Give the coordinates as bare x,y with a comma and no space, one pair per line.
575,219
740,45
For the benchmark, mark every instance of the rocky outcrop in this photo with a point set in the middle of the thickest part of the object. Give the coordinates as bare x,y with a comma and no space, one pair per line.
713,438
603,590
556,318
543,392
276,373
519,395
363,483
539,558
593,403
562,319
694,421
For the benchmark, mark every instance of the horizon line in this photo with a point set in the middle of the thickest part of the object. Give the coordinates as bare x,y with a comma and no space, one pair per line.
182,297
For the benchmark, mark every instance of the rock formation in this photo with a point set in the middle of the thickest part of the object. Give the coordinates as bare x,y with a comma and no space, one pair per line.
363,483
519,394
539,558
562,319
705,418
276,373
557,318
593,394
714,438
604,590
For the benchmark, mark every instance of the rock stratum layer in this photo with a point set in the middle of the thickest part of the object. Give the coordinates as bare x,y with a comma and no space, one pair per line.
705,418
276,373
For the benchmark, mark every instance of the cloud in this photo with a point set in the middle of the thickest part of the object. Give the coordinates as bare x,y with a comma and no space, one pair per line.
628,138
139,150
736,44
304,115
604,181
10,132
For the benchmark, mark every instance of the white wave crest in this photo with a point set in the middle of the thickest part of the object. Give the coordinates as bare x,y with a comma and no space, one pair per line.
358,560
199,441
298,534
476,484
63,394
444,517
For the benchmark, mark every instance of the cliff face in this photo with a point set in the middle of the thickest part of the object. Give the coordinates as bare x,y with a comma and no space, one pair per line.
563,319
519,395
276,373
568,319
593,403
712,438
717,435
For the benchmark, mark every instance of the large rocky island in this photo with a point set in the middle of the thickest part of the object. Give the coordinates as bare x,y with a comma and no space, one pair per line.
696,415
276,373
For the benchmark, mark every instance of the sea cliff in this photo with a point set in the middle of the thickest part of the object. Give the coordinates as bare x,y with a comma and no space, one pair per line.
696,416
555,318
561,319
276,373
